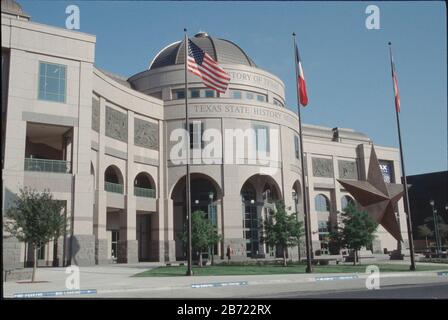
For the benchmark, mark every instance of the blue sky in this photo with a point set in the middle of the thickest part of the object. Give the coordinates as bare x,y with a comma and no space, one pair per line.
346,65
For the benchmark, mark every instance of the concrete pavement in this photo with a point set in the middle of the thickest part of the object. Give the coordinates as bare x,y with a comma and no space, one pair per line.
117,281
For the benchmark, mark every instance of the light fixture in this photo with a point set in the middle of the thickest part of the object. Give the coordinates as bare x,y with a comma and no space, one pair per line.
431,202
252,201
196,201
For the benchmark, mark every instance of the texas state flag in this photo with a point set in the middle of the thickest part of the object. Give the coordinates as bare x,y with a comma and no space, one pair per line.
303,97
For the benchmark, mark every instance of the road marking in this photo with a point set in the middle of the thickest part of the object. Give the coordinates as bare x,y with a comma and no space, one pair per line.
53,293
349,277
219,284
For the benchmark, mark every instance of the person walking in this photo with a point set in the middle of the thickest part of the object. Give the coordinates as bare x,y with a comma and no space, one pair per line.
229,253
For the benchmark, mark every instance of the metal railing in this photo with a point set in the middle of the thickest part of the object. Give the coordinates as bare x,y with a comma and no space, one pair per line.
144,192
45,165
113,187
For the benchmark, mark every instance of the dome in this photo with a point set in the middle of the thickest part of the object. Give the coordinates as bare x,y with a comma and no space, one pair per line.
223,51
13,8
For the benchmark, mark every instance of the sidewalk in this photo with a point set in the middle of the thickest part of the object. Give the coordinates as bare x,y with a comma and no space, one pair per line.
116,279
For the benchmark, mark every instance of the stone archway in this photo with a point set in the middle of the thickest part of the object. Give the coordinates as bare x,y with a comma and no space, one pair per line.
258,195
206,196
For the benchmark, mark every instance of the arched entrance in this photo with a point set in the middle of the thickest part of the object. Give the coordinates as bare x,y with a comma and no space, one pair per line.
146,220
206,196
258,195
115,213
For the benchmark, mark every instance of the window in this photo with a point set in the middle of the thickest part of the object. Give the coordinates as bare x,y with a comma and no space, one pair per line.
251,227
195,93
196,133
262,138
296,147
322,203
209,93
236,94
179,94
249,95
52,82
278,103
345,201
41,251
323,229
261,97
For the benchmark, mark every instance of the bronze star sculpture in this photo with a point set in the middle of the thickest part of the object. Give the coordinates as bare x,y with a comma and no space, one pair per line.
376,197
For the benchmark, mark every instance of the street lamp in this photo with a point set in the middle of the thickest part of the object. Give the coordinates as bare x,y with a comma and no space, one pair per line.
295,197
436,226
212,218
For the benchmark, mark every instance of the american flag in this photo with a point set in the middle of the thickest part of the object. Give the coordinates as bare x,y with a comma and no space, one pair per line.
202,65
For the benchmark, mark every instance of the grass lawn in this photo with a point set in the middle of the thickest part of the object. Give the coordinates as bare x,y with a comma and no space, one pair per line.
222,270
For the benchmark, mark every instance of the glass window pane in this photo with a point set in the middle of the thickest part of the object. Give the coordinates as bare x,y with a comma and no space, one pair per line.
180,95
209,93
261,98
62,71
52,85
249,95
236,94
53,70
52,82
195,93
42,68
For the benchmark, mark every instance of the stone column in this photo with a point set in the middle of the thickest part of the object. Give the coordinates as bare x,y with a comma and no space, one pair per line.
100,221
83,239
314,225
128,243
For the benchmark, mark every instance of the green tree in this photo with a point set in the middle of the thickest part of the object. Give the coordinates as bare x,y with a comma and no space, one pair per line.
424,231
357,230
443,230
442,227
35,218
203,234
282,229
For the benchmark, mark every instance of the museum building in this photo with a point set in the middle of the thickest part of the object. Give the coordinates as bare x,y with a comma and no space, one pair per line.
102,144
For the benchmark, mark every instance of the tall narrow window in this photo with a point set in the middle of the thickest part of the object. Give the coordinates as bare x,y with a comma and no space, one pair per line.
322,203
196,132
296,147
262,138
52,82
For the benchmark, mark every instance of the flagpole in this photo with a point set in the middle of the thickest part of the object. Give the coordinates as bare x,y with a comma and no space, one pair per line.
187,189
407,208
309,268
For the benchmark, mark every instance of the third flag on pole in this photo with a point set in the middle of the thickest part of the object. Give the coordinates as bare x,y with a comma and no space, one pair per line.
395,82
303,97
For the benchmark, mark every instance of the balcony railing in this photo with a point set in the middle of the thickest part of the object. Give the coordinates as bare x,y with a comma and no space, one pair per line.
144,192
113,187
45,165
